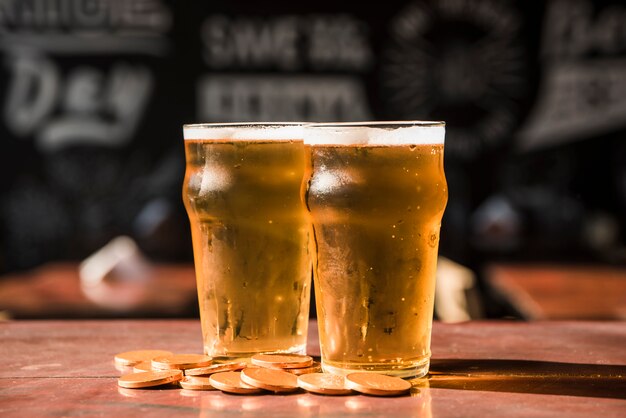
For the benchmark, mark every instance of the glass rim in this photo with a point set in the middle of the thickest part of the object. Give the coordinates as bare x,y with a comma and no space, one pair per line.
240,125
360,132
379,124
244,131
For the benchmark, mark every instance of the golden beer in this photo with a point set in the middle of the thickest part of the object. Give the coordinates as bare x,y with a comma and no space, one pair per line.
376,207
250,232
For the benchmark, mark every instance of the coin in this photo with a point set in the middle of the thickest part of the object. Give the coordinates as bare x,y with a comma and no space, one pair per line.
231,382
282,361
149,379
123,369
181,361
270,379
196,383
130,358
215,368
144,366
324,383
314,368
377,384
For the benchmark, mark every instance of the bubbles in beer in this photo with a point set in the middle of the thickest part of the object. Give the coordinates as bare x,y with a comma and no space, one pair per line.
433,240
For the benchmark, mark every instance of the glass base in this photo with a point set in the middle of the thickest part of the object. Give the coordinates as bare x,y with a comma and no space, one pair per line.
405,370
233,356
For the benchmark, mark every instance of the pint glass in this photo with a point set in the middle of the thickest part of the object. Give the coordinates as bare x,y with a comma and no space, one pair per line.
250,231
377,193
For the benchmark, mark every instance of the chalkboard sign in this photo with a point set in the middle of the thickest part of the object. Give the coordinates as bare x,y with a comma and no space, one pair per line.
93,94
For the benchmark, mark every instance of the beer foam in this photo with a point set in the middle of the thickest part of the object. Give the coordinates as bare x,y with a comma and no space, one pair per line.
376,133
244,131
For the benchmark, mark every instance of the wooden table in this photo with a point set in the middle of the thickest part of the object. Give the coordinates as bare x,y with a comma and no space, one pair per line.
562,292
480,369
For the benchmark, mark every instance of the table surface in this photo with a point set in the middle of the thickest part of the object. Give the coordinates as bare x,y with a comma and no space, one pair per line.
562,292
538,369
54,291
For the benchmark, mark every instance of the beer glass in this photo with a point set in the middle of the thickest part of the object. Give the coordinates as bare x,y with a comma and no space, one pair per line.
250,231
376,194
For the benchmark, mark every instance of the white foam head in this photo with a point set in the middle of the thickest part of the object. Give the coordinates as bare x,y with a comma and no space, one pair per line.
280,131
375,133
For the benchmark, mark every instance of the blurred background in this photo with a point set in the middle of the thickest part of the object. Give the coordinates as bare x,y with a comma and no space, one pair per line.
93,94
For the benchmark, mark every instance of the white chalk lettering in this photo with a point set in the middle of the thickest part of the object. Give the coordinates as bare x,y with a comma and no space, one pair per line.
75,15
88,106
324,42
256,98
31,93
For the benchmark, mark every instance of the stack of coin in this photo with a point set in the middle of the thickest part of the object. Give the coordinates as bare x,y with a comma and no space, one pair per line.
278,373
216,368
231,382
196,383
157,367
292,363
274,380
149,379
181,361
266,372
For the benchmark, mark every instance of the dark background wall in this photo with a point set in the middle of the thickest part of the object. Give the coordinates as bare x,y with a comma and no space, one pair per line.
93,95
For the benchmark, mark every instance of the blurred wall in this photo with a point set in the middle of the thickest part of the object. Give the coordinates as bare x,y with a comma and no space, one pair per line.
93,94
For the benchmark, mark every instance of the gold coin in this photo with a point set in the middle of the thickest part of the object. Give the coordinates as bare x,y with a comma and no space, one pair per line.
181,361
231,382
316,367
149,379
130,358
196,383
282,361
215,368
144,366
377,384
123,369
324,383
270,379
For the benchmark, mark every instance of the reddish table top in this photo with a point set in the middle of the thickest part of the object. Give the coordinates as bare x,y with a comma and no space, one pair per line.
571,369
54,291
562,292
